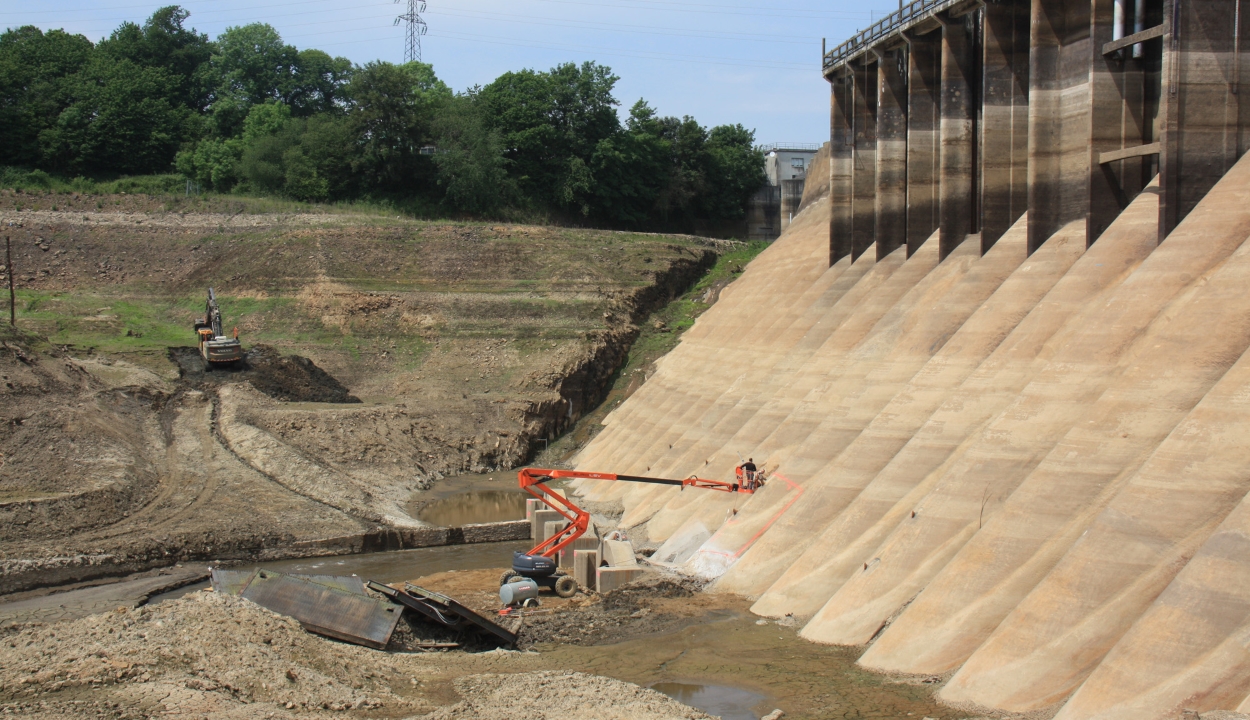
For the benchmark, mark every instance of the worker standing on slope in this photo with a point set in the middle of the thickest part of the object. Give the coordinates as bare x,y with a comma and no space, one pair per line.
748,472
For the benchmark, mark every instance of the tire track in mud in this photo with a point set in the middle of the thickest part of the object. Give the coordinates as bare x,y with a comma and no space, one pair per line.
373,518
197,462
173,480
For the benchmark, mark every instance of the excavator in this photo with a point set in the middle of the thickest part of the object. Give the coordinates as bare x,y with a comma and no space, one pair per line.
215,346
540,564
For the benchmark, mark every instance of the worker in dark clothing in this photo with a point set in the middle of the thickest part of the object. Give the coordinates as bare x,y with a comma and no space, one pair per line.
748,471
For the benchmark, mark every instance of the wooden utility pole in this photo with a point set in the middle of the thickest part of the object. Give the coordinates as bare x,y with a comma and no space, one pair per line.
8,266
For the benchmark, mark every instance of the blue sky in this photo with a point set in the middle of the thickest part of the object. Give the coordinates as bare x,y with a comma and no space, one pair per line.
721,62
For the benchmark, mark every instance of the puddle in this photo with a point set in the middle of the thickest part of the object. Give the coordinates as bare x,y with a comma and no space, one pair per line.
729,703
468,499
749,670
481,506
386,567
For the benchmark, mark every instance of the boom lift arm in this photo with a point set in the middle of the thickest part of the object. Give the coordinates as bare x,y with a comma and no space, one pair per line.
533,481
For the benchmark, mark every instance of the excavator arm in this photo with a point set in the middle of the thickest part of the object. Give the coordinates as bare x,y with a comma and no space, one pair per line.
533,481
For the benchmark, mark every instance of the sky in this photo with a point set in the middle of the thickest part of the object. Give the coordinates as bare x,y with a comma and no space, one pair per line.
721,62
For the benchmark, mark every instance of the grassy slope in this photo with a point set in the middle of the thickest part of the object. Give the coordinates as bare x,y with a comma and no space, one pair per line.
364,293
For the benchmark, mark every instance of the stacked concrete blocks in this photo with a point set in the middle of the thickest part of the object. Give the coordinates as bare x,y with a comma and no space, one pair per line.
586,542
533,505
551,528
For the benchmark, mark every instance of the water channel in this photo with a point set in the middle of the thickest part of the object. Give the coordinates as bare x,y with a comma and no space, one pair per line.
468,499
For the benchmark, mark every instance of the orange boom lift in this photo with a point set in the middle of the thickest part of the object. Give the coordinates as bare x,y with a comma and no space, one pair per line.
539,564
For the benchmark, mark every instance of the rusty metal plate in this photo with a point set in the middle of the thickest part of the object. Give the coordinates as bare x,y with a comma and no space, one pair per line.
230,582
442,609
326,610
347,583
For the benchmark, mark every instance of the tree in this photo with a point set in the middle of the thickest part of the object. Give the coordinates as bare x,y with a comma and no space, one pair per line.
251,65
119,120
319,83
551,123
34,87
631,170
735,172
304,158
393,107
470,158
164,43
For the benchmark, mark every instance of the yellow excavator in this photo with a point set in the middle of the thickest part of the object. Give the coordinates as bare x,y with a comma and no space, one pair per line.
215,346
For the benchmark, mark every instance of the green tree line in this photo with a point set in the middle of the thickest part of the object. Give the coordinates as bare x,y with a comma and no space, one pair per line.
248,113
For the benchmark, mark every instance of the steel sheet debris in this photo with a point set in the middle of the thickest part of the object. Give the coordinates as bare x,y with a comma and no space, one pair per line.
325,610
442,609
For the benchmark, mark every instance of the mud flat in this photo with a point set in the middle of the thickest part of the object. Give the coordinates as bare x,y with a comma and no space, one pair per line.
220,656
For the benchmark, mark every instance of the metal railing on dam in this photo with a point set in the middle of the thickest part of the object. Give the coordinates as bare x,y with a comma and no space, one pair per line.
896,21
946,116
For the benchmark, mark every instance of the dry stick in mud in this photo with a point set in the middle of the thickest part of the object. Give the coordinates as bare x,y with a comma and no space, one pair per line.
8,260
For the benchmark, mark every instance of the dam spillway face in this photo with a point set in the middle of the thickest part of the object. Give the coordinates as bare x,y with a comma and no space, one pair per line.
996,367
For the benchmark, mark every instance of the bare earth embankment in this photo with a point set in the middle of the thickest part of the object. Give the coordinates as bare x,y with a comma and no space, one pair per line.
384,353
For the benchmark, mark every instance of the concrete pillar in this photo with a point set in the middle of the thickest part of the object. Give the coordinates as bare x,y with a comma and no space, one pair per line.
891,221
569,553
841,165
864,168
958,107
552,528
1204,75
586,568
1120,119
924,60
1060,48
1004,128
539,520
531,505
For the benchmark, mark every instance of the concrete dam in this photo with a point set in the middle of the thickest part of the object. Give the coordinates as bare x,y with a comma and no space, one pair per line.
996,368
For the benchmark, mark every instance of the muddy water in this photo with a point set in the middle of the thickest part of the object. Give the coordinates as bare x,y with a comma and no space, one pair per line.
746,670
481,506
468,499
386,567
729,703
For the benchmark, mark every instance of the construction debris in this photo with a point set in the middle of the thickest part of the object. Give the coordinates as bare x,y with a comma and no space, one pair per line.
442,609
333,606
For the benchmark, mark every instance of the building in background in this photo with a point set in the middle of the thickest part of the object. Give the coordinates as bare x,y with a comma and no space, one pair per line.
773,207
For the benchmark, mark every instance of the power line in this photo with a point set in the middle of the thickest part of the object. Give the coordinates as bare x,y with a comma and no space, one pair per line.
415,27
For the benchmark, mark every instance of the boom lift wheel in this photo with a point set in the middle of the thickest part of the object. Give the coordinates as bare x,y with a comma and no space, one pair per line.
566,586
509,576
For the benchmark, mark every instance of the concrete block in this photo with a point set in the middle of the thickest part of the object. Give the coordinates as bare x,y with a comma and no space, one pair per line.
585,542
619,553
608,579
539,519
496,532
553,527
586,568
533,505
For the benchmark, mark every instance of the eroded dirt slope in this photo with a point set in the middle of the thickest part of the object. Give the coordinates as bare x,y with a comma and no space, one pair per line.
383,354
